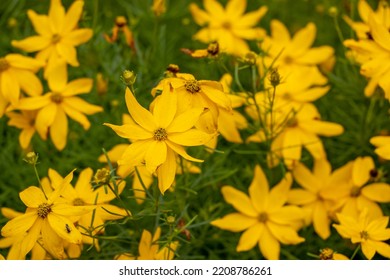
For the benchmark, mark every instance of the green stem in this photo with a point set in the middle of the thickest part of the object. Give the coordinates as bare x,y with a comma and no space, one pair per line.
355,252
39,180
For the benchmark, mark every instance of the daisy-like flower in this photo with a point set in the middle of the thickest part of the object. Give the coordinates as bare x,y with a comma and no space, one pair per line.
381,15
48,215
229,27
374,57
149,248
56,105
212,51
370,233
357,190
382,144
159,135
17,72
263,215
290,54
25,120
84,194
310,197
58,35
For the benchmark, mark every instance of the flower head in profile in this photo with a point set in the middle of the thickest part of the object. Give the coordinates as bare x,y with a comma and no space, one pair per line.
371,234
159,135
58,35
329,254
121,26
17,73
47,215
263,215
54,107
24,120
149,248
382,144
230,27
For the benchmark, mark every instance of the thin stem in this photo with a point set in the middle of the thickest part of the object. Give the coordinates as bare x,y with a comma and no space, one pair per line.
39,180
355,252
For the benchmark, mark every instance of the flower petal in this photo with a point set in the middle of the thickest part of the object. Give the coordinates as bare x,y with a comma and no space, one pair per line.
56,16
185,121
9,86
155,155
234,222
139,114
19,225
258,190
59,129
379,192
72,16
45,118
305,178
239,201
181,151
29,83
32,197
32,44
285,234
361,170
40,23
191,137
131,131
78,37
250,237
269,245
166,172
78,86
68,52
135,153
165,107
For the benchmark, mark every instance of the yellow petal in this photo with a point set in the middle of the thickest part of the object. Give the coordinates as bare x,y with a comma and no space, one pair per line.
235,222
382,248
378,230
214,8
76,115
155,155
114,154
239,201
131,131
135,153
361,170
59,129
72,16
30,239
181,151
214,91
19,225
139,114
305,178
111,212
56,16
192,137
45,118
313,144
200,16
78,86
78,37
287,215
165,107
279,193
185,121
322,127
292,146
269,245
68,52
280,34
258,190
379,33
368,250
235,8
250,237
24,62
316,55
285,234
32,197
40,23
29,83
303,39
166,172
379,192
301,197
321,220
9,86
251,18
32,44
54,244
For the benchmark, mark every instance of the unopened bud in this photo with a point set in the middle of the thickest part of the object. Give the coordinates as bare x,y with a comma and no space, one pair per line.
333,11
274,77
31,158
128,77
102,176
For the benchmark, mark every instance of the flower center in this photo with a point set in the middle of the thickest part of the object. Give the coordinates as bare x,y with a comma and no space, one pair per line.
293,122
355,191
78,202
288,60
4,65
56,97
326,254
364,235
43,210
160,134
227,25
263,217
55,38
192,86
213,48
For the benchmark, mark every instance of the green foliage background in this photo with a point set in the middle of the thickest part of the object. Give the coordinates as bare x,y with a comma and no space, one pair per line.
198,197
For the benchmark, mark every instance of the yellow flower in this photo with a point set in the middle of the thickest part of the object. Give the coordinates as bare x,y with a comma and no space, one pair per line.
229,27
58,35
159,7
158,135
289,54
356,191
263,215
382,144
56,105
121,26
17,72
310,197
329,254
25,120
374,57
83,194
381,15
47,215
212,51
370,233
149,248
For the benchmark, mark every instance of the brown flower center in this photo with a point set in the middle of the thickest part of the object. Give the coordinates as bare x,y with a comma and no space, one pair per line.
292,122
78,202
326,254
263,217
227,25
43,210
192,86
56,97
288,60
355,191
364,235
55,38
4,65
160,134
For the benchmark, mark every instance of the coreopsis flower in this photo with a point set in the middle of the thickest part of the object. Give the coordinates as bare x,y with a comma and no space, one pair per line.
290,54
329,254
229,27
149,248
58,35
212,51
263,215
12,242
17,73
159,135
83,194
373,55
292,129
48,215
310,197
25,120
382,144
54,107
381,15
121,26
159,7
370,233
357,190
